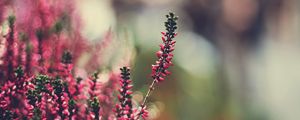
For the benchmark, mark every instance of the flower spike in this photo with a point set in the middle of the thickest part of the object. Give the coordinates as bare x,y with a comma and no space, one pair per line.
124,109
159,69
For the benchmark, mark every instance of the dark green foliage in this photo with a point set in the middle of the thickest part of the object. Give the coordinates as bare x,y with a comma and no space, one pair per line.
57,86
37,113
6,114
11,19
40,34
66,57
19,72
94,106
40,81
171,24
33,97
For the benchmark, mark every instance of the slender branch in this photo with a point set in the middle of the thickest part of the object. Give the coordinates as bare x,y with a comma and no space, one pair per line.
159,70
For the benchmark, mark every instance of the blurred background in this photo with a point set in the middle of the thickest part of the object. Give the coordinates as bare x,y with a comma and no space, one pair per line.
234,59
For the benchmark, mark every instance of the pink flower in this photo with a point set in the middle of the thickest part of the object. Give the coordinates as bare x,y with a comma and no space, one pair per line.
124,108
159,69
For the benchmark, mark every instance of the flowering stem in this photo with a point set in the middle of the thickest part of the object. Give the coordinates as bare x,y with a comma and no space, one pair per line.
10,50
124,109
93,102
58,91
159,70
39,34
28,64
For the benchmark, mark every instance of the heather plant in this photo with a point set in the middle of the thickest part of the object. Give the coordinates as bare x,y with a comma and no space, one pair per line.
38,78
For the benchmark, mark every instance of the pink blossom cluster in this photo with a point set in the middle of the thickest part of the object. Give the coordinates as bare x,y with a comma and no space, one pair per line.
159,70
38,77
124,108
